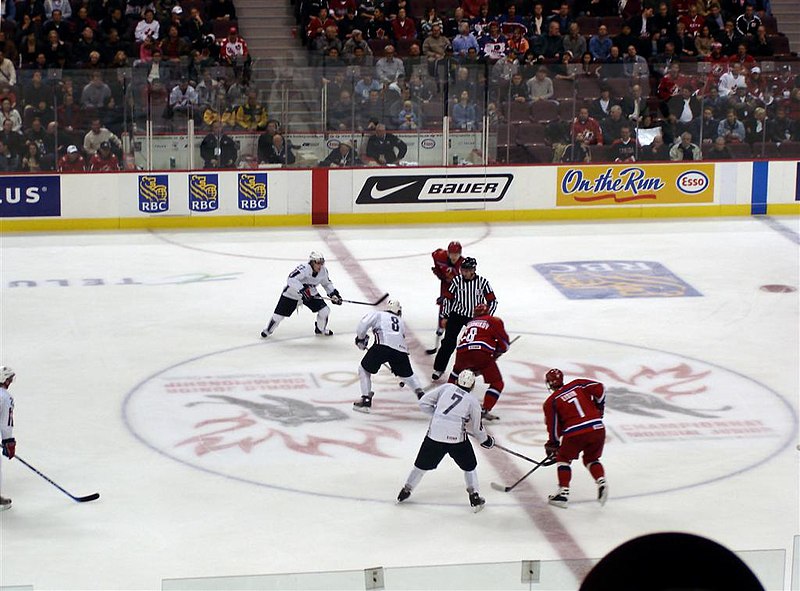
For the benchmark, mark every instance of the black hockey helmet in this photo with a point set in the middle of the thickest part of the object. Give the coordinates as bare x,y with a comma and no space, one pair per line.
469,263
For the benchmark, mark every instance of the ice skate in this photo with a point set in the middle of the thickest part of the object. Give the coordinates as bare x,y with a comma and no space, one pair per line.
264,334
404,493
268,329
602,491
364,405
487,416
327,332
476,501
5,503
559,498
419,392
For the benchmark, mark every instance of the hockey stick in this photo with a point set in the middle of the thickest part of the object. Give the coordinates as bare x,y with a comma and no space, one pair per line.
511,487
85,499
375,303
436,346
513,453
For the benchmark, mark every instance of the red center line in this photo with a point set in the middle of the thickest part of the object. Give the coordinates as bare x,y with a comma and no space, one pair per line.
541,515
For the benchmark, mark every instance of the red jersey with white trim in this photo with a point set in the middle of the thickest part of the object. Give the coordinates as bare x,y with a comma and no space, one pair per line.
444,269
574,407
230,50
484,333
100,164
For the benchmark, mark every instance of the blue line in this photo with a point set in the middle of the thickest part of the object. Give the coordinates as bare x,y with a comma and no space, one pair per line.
759,188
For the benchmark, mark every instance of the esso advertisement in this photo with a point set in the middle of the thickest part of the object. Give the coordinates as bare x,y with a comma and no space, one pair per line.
692,182
32,196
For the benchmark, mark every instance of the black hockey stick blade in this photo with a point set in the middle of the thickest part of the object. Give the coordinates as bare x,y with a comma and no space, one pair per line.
431,351
86,499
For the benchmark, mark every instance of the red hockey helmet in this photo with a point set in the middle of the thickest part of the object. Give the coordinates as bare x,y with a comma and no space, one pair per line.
480,310
454,246
554,379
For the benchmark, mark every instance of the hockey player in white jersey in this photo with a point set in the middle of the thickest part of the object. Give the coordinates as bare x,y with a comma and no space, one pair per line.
390,347
6,424
455,413
301,286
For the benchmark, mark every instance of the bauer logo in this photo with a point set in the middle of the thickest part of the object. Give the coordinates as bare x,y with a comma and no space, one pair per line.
203,192
253,191
434,188
597,280
153,193
33,196
692,182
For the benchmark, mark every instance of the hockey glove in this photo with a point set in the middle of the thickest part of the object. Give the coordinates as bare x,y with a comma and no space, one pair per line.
362,343
336,299
305,293
9,447
489,443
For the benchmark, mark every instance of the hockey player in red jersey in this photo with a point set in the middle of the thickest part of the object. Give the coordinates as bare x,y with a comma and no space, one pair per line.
483,340
446,266
573,414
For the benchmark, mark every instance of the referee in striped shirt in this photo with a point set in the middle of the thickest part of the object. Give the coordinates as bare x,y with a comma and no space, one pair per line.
464,293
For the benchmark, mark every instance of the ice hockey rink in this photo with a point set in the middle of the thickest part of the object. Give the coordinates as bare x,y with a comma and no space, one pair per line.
141,376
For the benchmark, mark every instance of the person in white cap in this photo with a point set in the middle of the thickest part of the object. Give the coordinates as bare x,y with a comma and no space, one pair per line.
301,289
6,424
72,161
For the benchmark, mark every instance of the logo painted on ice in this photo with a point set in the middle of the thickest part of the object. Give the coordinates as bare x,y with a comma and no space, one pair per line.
632,180
203,192
692,182
153,193
253,191
596,280
38,196
434,188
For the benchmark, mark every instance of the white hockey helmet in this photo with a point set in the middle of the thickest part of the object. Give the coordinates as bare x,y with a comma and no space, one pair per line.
316,257
466,379
6,373
394,307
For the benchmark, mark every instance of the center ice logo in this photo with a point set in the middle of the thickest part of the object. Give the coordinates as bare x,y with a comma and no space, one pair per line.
252,191
153,193
203,192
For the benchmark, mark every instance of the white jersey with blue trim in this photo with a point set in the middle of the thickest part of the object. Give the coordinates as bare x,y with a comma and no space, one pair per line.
388,329
6,414
303,276
455,413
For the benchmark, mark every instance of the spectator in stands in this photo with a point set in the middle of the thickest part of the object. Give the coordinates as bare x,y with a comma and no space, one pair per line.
430,20
408,117
625,147
233,52
657,151
719,150
643,25
8,161
505,68
57,23
281,151
600,44
13,139
379,27
573,41
731,79
341,112
613,67
465,113
84,46
219,109
173,47
317,25
761,46
147,28
434,48
62,5
452,27
218,150
35,133
685,149
553,42
613,124
729,38
251,116
731,128
114,20
634,105
755,126
563,18
33,10
693,20
97,135
355,40
9,113
705,127
600,108
715,101
715,19
31,159
584,126
8,73
464,40
578,150
72,161
389,68
222,10
385,148
684,43
664,21
366,85
518,42
702,42
684,108
403,27
112,46
625,39
8,12
780,128
634,65
518,89
742,102
747,23
744,58
341,155
540,87
183,99
265,140
104,159
421,90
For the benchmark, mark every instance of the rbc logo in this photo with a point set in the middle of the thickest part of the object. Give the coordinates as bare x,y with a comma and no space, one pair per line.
203,192
153,193
252,191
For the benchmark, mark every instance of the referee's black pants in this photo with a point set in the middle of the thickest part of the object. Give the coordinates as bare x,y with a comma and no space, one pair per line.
455,322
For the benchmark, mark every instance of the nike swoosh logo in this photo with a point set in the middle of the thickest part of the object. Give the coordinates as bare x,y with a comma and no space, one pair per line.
377,193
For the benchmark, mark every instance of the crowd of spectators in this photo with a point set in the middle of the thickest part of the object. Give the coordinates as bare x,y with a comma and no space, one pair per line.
584,80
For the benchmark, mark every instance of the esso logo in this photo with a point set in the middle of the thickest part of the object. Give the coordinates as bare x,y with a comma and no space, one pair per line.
428,143
332,144
692,182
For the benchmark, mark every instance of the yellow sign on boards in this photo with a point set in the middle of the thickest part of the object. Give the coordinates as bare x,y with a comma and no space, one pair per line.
635,184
